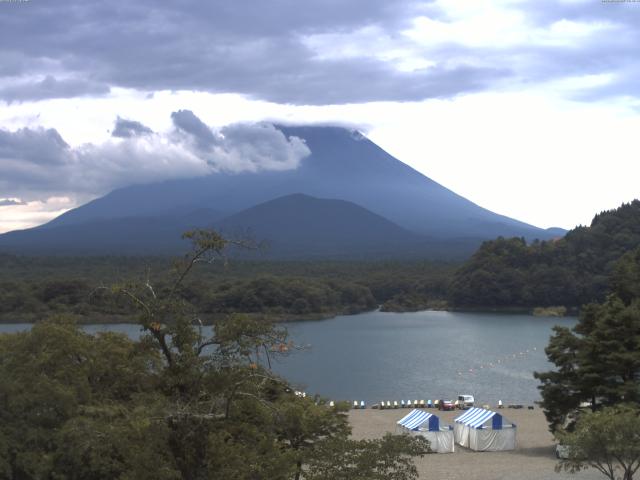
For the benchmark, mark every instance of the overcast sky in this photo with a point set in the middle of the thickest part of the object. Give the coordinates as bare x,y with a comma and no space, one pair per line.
528,108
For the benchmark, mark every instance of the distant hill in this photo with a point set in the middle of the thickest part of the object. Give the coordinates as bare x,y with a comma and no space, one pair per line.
343,165
570,271
301,226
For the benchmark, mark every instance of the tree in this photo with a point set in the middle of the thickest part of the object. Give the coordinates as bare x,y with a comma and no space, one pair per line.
177,404
598,361
388,458
607,440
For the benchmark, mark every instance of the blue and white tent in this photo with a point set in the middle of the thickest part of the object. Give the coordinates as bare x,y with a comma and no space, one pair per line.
427,425
483,430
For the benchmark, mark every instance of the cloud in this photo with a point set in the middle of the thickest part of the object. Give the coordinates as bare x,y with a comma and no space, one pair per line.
38,146
37,163
129,128
241,147
8,202
50,87
187,122
328,52
27,214
259,50
254,147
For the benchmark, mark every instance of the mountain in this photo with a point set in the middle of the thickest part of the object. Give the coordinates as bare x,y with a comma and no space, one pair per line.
291,227
343,165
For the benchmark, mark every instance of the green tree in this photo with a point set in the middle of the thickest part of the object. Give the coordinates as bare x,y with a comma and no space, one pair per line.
388,458
179,403
608,441
598,361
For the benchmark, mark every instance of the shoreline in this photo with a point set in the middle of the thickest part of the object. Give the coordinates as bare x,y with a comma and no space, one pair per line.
105,319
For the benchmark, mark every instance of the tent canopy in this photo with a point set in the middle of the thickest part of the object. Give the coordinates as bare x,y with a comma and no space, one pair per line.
478,417
417,418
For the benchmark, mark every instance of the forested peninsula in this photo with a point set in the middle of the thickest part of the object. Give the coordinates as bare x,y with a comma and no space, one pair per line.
577,269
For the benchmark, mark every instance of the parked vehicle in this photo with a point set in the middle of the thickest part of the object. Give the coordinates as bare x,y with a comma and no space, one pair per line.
465,401
446,405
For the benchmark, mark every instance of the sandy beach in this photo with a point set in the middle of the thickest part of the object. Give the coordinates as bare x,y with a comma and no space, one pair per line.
532,460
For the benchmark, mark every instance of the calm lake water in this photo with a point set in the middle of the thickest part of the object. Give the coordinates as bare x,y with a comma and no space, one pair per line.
425,355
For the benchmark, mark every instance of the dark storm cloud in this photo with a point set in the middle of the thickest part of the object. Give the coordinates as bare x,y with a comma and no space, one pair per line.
253,48
36,163
38,146
258,49
129,128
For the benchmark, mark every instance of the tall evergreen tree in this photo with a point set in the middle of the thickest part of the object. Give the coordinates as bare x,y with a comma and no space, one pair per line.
598,361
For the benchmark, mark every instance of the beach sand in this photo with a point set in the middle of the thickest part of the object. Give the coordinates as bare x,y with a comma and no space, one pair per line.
534,458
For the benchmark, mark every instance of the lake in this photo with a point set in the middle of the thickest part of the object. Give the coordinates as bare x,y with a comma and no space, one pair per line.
378,356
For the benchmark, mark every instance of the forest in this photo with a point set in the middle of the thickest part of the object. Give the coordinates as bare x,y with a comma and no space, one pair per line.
32,288
570,271
506,273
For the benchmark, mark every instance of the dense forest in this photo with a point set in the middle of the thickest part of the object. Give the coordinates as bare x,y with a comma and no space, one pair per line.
570,271
32,288
504,273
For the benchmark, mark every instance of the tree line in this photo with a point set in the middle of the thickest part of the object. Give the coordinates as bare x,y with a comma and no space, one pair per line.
33,288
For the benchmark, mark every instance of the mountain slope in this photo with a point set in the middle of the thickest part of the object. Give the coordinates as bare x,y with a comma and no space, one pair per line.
291,227
296,226
126,236
343,165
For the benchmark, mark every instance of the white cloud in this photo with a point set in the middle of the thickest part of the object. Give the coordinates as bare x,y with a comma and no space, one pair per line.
37,162
28,214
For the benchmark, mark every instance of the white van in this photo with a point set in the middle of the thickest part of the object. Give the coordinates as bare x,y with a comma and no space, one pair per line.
465,401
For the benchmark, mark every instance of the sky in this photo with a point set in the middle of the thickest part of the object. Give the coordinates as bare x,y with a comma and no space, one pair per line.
528,108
